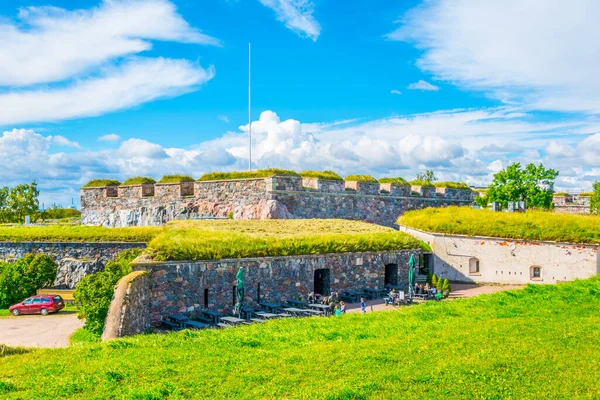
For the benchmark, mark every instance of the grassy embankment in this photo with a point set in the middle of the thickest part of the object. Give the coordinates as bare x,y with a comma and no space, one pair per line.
78,233
532,225
539,342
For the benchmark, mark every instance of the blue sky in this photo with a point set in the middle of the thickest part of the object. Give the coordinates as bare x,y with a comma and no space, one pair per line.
121,88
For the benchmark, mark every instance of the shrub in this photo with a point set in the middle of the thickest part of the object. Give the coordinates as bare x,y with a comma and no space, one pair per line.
429,278
361,178
395,181
21,279
176,179
439,284
452,185
60,213
139,180
261,173
446,286
322,175
422,183
94,292
434,280
102,183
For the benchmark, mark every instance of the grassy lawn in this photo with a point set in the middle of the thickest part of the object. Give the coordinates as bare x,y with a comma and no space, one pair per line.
533,225
69,308
78,233
539,342
213,240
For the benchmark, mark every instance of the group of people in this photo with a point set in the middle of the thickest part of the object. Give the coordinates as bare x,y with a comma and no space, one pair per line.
425,289
336,306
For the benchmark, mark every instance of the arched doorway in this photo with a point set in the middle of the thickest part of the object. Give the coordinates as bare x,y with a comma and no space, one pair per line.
322,281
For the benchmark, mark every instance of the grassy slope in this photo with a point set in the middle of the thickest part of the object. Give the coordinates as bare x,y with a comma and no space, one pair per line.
67,233
533,225
539,342
213,240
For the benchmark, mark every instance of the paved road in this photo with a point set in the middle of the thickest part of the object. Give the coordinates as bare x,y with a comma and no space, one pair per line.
39,331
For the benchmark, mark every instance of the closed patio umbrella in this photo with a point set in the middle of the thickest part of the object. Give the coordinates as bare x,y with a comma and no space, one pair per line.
411,276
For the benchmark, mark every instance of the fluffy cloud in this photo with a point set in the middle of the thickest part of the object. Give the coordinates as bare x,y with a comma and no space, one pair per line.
297,15
395,91
535,52
50,44
111,137
423,85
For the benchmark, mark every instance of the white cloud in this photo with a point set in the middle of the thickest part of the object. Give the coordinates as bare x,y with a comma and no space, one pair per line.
139,148
394,91
538,53
223,118
50,44
297,15
138,81
423,85
63,141
111,137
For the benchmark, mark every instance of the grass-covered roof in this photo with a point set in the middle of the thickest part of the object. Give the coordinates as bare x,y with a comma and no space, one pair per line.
531,225
101,183
327,174
138,180
175,179
261,173
361,178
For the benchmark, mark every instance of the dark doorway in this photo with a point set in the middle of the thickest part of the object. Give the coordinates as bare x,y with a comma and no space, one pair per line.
426,265
322,278
205,298
391,275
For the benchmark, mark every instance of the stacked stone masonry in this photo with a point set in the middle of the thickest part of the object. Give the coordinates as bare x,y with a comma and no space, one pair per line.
74,260
264,198
188,287
571,204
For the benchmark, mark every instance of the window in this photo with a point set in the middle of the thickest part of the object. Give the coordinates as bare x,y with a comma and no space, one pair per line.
473,266
536,272
28,301
37,301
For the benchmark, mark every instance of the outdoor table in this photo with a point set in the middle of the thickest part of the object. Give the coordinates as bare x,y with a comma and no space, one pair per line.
373,292
179,319
271,306
295,311
195,324
355,296
233,320
266,315
313,312
322,307
298,303
215,315
248,311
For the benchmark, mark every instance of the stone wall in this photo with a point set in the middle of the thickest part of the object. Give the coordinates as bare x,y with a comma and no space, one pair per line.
264,198
507,261
571,204
185,286
128,313
74,260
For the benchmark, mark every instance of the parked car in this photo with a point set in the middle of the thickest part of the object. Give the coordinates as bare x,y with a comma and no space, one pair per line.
42,304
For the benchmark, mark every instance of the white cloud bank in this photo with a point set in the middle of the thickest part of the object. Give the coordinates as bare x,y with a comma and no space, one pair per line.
297,15
111,137
423,85
464,145
538,53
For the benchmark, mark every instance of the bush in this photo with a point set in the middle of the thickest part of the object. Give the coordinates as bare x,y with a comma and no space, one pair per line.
446,286
60,213
422,183
139,180
361,178
434,280
94,292
176,179
429,278
330,175
395,181
261,173
439,284
452,185
21,279
102,183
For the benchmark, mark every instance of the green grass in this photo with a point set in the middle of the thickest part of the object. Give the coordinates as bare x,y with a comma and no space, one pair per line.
77,233
540,342
176,179
417,182
586,194
560,194
214,240
330,175
532,225
395,181
361,178
4,312
82,336
102,183
139,180
452,185
261,173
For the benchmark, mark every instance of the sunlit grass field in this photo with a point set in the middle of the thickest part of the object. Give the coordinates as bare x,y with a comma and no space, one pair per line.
533,225
539,342
77,233
214,240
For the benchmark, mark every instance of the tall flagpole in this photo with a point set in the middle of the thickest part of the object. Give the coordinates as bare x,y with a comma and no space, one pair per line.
249,117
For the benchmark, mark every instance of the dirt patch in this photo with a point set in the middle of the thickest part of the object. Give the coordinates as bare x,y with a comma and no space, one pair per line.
39,331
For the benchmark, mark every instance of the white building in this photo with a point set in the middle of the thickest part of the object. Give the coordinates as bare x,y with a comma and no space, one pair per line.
507,261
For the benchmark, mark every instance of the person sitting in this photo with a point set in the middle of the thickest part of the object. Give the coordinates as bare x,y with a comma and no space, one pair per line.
391,297
311,297
433,291
343,307
325,300
417,288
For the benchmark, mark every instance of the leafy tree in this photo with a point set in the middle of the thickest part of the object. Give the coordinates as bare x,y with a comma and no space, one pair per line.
446,286
19,201
595,199
21,279
534,184
427,176
434,280
94,292
439,284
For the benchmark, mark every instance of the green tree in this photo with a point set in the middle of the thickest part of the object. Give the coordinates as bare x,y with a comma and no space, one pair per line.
19,201
21,279
427,176
94,292
439,284
446,286
534,184
595,199
434,280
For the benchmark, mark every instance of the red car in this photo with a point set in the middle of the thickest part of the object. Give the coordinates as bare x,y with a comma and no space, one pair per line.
42,304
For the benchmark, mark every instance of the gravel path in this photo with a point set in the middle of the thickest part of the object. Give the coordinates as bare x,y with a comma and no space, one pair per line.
39,331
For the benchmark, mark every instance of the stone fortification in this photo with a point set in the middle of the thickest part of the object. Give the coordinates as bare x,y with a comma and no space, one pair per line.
191,286
74,260
572,203
276,197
